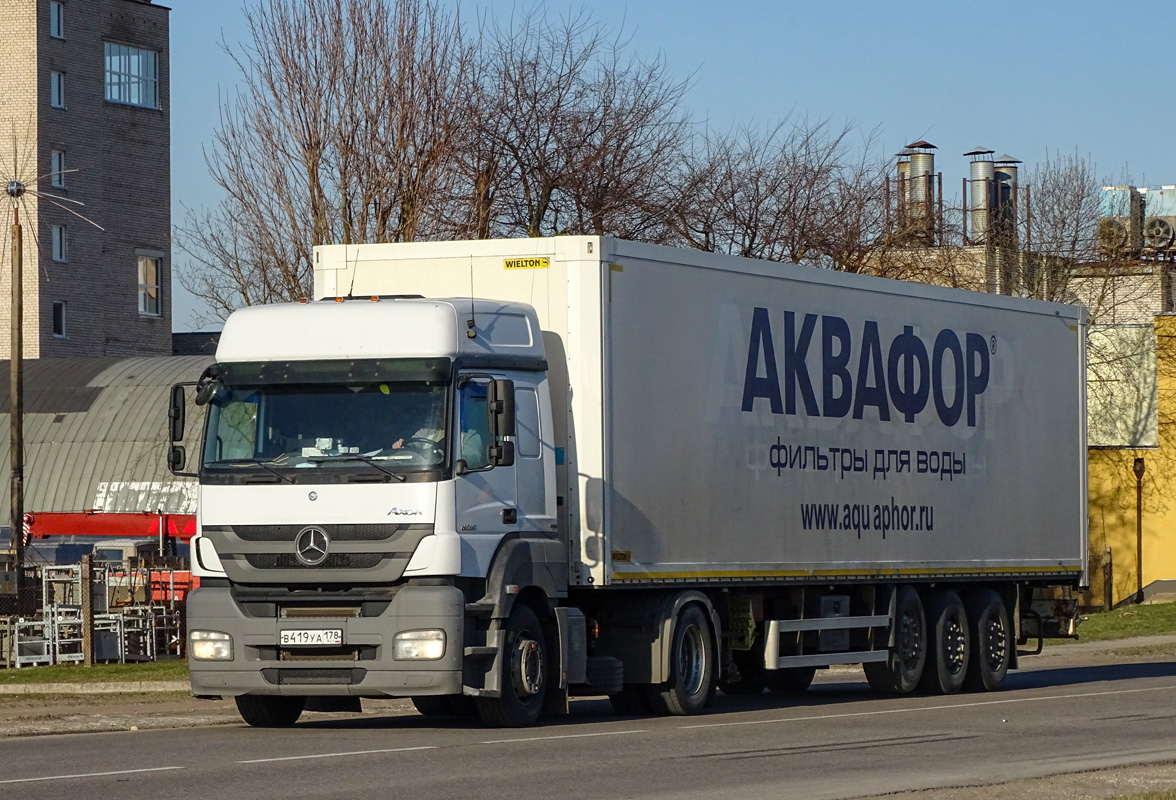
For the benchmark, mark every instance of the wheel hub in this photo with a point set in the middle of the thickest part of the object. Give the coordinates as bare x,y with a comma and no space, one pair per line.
692,659
955,646
527,668
995,643
910,640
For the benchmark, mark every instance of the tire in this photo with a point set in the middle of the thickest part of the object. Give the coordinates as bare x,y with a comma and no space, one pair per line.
454,705
992,641
524,674
790,681
750,664
632,701
270,711
949,647
691,667
901,671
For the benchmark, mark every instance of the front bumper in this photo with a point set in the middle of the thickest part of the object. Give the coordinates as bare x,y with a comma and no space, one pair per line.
260,666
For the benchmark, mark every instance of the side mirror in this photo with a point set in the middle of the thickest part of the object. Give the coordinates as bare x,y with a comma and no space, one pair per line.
176,458
175,414
502,454
500,402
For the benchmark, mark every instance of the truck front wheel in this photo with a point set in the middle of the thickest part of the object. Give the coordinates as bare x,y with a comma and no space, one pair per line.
691,667
524,674
901,671
266,711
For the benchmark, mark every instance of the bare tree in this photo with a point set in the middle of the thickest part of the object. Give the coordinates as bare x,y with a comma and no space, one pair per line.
794,193
343,132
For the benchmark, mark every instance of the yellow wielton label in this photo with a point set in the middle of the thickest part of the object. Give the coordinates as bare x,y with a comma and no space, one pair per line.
526,263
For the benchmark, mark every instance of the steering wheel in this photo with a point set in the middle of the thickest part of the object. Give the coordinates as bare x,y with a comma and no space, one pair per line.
422,444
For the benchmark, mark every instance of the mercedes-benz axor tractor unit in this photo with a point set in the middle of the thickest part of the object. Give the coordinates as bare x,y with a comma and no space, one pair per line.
491,475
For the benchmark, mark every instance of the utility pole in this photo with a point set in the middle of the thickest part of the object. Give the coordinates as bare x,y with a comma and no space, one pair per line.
16,190
1138,469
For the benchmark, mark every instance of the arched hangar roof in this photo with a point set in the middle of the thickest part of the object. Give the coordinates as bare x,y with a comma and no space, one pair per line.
95,434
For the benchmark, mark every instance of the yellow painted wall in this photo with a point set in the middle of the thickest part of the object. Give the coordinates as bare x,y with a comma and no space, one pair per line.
1113,493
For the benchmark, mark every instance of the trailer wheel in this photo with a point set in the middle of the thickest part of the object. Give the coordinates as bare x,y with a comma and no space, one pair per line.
992,641
948,653
790,681
524,674
901,671
268,711
691,667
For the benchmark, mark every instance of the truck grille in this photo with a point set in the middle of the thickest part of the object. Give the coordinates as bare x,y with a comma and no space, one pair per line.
314,677
332,561
338,533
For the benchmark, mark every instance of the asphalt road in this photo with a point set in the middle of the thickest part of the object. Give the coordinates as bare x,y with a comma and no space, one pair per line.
838,741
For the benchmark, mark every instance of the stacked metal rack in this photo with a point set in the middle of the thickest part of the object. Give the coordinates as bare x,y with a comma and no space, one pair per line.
132,613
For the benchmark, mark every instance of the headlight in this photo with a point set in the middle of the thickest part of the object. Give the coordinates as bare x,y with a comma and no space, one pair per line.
210,646
425,645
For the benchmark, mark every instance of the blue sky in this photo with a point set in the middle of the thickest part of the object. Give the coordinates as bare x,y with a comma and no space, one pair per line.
1023,78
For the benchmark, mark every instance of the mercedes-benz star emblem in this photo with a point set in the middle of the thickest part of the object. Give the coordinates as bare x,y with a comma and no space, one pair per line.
311,546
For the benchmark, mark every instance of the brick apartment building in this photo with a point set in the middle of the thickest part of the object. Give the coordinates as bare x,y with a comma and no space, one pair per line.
84,101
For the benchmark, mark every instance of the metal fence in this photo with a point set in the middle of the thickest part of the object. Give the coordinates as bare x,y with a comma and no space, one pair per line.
92,613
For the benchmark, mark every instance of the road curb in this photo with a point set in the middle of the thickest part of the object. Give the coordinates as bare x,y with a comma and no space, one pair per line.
108,687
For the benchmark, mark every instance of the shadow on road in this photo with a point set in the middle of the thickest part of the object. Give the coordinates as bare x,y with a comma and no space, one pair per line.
1068,676
843,690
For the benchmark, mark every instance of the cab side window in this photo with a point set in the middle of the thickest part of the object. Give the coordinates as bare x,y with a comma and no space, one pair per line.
474,425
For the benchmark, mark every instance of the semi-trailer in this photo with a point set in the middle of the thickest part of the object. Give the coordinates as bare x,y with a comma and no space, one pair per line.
492,475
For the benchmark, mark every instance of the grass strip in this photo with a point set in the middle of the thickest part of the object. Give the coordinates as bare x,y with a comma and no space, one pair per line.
176,670
1157,619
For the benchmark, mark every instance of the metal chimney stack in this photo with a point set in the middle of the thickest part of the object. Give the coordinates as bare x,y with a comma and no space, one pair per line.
903,193
922,188
1005,218
981,177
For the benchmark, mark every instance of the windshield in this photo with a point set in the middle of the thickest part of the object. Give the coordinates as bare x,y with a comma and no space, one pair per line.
398,425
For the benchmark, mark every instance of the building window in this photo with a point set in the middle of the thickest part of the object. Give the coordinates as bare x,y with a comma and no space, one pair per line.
149,269
58,234
57,20
132,75
59,319
57,168
57,89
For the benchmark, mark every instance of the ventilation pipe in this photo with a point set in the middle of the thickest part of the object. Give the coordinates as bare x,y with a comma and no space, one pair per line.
981,176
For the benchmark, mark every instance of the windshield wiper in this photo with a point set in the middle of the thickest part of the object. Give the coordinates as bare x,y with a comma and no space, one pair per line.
245,462
371,462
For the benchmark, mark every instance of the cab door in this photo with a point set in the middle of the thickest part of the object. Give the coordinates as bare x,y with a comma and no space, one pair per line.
486,495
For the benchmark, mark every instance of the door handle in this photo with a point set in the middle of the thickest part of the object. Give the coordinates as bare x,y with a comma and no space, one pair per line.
510,516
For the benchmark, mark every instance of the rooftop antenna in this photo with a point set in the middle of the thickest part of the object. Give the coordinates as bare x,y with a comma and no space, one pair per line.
18,186
354,270
471,323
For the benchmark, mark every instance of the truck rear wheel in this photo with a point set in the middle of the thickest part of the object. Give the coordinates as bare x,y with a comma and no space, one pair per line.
948,650
524,674
992,641
691,667
901,671
267,711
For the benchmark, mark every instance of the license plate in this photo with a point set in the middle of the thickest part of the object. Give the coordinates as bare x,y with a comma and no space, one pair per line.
323,637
